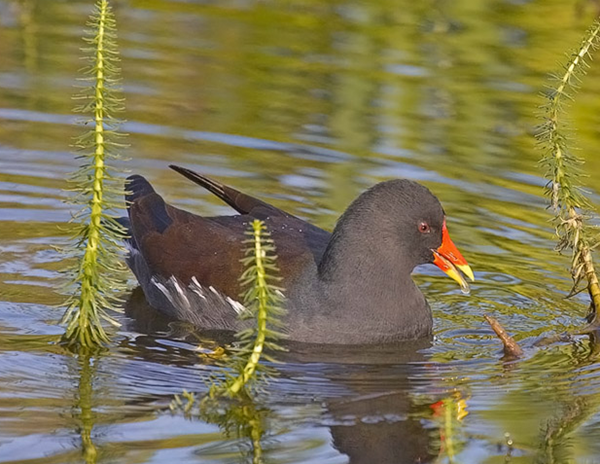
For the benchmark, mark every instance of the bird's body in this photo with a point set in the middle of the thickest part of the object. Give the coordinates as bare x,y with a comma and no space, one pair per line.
349,287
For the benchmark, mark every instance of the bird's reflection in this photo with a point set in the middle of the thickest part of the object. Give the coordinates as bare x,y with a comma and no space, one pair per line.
374,420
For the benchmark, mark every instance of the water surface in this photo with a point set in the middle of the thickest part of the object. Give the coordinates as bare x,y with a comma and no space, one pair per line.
306,104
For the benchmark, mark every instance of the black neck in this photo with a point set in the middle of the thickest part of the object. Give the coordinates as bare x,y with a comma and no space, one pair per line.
367,289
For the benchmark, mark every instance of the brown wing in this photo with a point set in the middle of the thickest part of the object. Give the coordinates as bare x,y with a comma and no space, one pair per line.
177,243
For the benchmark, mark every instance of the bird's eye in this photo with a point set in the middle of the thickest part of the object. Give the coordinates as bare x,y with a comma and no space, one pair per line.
424,228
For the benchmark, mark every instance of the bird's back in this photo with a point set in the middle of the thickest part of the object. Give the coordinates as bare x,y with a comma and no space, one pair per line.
189,266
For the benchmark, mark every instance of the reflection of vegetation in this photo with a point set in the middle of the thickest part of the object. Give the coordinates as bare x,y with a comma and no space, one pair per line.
243,419
556,432
94,280
547,401
238,418
450,412
85,398
566,197
30,45
570,407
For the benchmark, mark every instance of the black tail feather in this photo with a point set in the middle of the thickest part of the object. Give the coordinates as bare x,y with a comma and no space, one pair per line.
137,187
242,203
212,186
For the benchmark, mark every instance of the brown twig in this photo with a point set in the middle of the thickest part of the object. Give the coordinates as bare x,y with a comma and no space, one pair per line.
512,349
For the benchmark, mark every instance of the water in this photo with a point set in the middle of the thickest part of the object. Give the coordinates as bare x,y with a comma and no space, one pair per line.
306,104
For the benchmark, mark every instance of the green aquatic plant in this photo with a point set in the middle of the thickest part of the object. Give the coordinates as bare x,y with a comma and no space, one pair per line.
262,300
230,402
571,207
242,370
95,279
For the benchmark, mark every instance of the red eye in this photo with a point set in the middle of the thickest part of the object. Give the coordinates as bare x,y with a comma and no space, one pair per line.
424,228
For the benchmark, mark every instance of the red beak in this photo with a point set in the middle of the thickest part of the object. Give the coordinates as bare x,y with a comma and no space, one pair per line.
449,260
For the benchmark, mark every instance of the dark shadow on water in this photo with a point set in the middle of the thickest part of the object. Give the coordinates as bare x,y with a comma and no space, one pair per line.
383,430
365,391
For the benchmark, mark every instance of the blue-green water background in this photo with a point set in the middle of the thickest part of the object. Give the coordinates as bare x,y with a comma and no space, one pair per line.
306,103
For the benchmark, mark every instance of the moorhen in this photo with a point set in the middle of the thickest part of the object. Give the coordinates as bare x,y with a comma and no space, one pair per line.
352,286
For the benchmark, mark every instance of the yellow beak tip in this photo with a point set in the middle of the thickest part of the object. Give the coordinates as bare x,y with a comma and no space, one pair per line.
466,270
